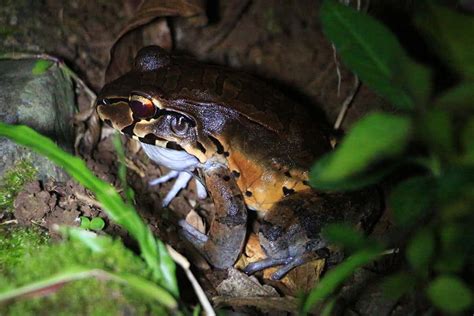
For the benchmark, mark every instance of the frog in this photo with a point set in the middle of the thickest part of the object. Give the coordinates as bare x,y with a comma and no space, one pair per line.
246,144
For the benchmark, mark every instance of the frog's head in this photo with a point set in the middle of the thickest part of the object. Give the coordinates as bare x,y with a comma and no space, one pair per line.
136,105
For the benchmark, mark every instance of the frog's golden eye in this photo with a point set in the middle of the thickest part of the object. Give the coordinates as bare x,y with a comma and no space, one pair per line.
179,124
142,107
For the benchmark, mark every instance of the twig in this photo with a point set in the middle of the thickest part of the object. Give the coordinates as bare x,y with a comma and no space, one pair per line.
347,102
87,199
12,221
184,263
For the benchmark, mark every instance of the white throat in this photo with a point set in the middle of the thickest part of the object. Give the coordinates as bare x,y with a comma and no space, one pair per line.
172,159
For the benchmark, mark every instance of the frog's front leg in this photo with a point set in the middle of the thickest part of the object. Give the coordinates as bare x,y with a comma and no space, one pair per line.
225,239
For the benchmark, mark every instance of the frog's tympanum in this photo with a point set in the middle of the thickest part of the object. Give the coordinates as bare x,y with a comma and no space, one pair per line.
248,145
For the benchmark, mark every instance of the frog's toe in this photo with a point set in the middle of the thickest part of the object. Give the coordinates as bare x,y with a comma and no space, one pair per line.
294,262
263,264
170,175
201,190
180,183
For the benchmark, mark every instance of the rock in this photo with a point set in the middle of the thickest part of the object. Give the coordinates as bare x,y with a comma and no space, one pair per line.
42,101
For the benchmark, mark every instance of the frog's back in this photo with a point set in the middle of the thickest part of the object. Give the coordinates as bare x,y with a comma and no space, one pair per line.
249,96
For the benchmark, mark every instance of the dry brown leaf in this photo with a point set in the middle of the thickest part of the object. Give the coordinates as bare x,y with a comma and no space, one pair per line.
148,27
239,284
196,221
289,304
252,252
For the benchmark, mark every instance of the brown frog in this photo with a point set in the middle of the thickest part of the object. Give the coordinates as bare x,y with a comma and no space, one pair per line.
247,144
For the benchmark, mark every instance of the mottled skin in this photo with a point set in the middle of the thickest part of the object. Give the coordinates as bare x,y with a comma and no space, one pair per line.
255,147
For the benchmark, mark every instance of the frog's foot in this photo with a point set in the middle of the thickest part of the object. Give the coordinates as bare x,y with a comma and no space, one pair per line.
182,180
288,263
193,235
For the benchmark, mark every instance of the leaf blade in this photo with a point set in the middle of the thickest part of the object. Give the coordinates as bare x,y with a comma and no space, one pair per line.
368,48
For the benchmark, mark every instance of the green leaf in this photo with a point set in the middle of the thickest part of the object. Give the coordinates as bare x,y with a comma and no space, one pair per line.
335,277
455,242
455,192
328,307
86,237
375,137
152,250
71,274
468,141
369,49
97,223
396,285
436,130
415,80
450,294
420,250
451,33
122,170
345,235
411,199
459,99
41,66
85,222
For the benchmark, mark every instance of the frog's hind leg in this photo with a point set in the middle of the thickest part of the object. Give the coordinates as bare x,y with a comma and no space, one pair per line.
225,239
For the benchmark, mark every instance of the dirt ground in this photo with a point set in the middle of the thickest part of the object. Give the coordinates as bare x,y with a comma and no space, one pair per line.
280,41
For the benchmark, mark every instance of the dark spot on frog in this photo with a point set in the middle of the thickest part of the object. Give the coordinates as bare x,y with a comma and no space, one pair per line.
226,154
287,191
201,147
323,252
236,174
129,130
306,182
108,122
248,193
287,173
226,178
270,231
174,146
149,139
220,148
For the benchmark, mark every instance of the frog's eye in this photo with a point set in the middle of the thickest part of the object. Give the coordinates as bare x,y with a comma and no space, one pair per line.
142,107
180,124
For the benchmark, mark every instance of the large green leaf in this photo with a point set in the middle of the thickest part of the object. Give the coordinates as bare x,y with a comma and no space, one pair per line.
411,199
396,285
152,250
450,294
369,49
458,99
420,250
436,129
345,235
334,278
375,137
468,141
451,33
